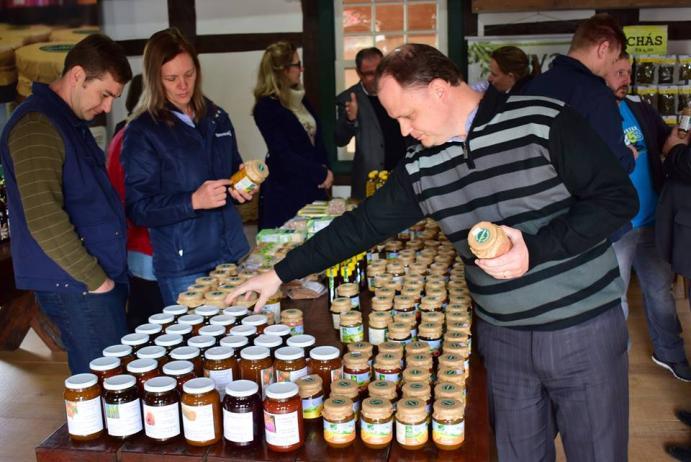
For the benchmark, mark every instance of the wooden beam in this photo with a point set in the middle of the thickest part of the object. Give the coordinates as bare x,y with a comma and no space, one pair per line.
485,6
230,43
182,14
534,28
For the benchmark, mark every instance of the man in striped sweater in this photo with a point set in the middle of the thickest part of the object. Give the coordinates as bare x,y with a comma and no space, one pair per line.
549,327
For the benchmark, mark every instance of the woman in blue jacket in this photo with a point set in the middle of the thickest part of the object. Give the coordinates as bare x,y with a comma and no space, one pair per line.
292,132
178,155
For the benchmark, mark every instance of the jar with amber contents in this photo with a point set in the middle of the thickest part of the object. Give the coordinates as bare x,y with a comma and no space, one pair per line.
250,332
175,310
387,366
201,412
143,370
83,407
304,341
181,371
378,327
411,424
279,330
376,422
385,390
235,342
163,319
154,352
183,330
339,305
294,320
421,391
399,332
356,369
448,425
216,332
312,396
392,248
339,422
393,348
417,269
221,367
169,341
136,341
248,178
348,389
104,367
434,317
257,365
161,408
290,364
350,291
149,329
243,417
194,320
122,406
351,327
191,354
449,390
430,333
326,363
258,321
428,304
272,342
283,417
223,320
202,342
122,352
404,304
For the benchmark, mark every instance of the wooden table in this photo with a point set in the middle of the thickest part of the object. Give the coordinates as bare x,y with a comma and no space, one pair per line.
59,448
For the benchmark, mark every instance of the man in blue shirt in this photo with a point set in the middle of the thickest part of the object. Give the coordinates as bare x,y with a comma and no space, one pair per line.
645,134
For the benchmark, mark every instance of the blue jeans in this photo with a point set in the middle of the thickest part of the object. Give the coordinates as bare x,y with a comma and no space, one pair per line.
171,287
88,323
636,249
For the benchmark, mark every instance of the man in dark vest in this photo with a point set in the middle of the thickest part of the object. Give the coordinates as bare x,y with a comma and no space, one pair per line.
68,225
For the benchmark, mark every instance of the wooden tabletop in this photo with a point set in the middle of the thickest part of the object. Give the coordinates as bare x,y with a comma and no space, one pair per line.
58,447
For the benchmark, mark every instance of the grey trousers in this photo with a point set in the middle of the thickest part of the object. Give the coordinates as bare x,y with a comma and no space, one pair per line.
573,380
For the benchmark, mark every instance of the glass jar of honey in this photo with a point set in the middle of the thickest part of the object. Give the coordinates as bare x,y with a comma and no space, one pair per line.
153,352
202,342
283,417
201,412
143,370
279,330
304,341
431,334
293,318
183,330
221,367
257,365
243,417
448,426
193,320
414,374
421,391
382,303
339,305
161,409
451,375
83,407
339,422
448,390
356,369
214,331
452,361
387,366
175,310
386,291
290,364
215,298
351,327
169,341
348,389
249,178
136,341
326,362
191,354
104,367
411,424
397,271
258,321
421,361
376,422
399,332
350,291
149,329
393,348
223,320
250,332
181,371
378,327
163,319
383,389
271,342
312,396
122,406
237,343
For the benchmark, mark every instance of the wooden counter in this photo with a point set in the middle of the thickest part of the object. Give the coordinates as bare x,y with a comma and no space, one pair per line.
58,447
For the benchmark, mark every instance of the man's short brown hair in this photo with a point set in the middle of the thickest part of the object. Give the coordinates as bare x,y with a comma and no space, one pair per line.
98,54
597,29
417,64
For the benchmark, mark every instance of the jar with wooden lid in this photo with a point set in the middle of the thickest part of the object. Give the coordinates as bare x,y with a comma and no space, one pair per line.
387,366
392,248
385,291
243,416
312,396
221,367
191,298
249,332
350,390
326,362
194,320
273,306
417,268
283,417
247,302
411,424
382,304
304,341
149,329
122,407
154,352
378,327
421,391
416,374
404,304
136,341
385,390
450,391
257,365
431,334
458,326
350,291
372,273
290,364
203,342
191,354
249,178
259,321
104,367
381,280
175,310
143,370
452,361
356,368
448,424
225,321
339,305
409,319
417,347
413,293
183,330
201,412
376,422
181,371
397,271
399,332
422,361
364,348
161,408
451,375
434,317
351,329
293,318
215,298
169,341
83,407
122,352
339,422
391,347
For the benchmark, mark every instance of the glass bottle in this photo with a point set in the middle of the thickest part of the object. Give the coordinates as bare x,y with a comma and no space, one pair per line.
339,422
201,412
283,417
376,422
83,407
243,417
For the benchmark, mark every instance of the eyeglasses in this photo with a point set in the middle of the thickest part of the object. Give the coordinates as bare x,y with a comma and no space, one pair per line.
297,64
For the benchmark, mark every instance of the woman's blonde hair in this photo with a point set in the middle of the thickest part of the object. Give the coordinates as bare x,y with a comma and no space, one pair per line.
161,48
271,78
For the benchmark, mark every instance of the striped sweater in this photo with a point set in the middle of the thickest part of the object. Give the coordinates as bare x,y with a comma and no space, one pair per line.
529,163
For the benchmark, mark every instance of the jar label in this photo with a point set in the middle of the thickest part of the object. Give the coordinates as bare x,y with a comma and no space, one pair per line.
336,374
198,422
411,434
312,407
238,427
296,328
376,433
124,419
448,434
84,417
221,378
245,184
434,345
376,336
343,432
267,378
282,429
352,334
395,377
290,376
336,318
391,254
162,422
361,379
355,302
274,308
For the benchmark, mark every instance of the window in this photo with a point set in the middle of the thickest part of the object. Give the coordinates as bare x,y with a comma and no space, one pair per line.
385,24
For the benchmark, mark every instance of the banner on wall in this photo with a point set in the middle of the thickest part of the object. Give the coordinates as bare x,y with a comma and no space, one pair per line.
545,47
646,40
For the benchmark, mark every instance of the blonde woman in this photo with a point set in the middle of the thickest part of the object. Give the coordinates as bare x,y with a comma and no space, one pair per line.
296,154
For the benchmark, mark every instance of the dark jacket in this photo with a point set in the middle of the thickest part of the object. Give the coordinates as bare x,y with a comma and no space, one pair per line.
296,167
164,164
89,199
673,215
570,81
